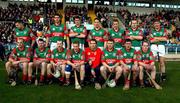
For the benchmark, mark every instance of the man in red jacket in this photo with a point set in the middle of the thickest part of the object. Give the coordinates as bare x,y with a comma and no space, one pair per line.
93,61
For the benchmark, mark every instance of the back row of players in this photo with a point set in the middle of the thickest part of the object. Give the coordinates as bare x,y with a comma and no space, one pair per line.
117,56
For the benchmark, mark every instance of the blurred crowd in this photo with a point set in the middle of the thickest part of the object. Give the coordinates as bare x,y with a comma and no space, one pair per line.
72,11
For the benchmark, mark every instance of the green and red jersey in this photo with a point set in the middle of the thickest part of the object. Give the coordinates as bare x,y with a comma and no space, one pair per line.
161,33
99,36
59,56
76,57
110,57
117,37
56,33
128,57
137,32
25,34
145,57
42,54
79,30
18,54
94,56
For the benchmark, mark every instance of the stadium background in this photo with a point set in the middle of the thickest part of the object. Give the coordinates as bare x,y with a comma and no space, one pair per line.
37,14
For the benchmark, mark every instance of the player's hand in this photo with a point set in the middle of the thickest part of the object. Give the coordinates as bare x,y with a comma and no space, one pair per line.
90,62
93,73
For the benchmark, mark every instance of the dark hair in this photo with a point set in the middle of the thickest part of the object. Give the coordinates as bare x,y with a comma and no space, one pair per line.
76,17
19,21
111,40
96,19
76,42
145,41
41,39
93,40
128,40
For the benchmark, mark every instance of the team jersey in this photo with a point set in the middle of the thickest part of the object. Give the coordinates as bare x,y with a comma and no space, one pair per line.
99,36
56,33
145,57
78,30
161,33
57,56
18,54
138,32
94,56
76,57
25,34
41,55
110,57
117,37
128,57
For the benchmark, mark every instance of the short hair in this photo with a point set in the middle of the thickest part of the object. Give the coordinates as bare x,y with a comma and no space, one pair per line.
111,40
128,40
57,15
21,39
41,39
76,17
115,20
145,41
76,42
96,19
19,21
93,40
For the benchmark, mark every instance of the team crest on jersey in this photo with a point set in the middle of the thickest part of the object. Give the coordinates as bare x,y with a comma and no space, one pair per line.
53,29
25,32
130,33
81,29
74,29
89,53
131,54
106,54
56,54
93,33
18,54
114,54
125,54
60,28
113,34
17,33
100,32
95,53
63,55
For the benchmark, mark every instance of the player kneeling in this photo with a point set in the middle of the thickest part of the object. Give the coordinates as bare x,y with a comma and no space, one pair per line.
110,63
58,63
146,62
128,63
19,58
76,61
41,59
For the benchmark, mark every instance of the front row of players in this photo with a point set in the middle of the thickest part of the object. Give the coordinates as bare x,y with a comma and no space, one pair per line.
92,63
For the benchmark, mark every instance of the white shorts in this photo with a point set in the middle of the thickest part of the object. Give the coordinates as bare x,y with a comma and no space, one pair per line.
54,46
137,48
158,48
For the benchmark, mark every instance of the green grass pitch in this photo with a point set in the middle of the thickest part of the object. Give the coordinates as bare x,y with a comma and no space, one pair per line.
59,94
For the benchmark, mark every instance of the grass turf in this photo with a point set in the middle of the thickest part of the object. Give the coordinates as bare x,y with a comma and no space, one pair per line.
59,94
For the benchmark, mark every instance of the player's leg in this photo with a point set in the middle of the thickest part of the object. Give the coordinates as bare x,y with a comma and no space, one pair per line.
82,74
153,72
103,71
43,70
49,73
161,49
118,71
30,69
126,73
141,76
62,70
68,70
8,66
97,78
135,71
24,73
